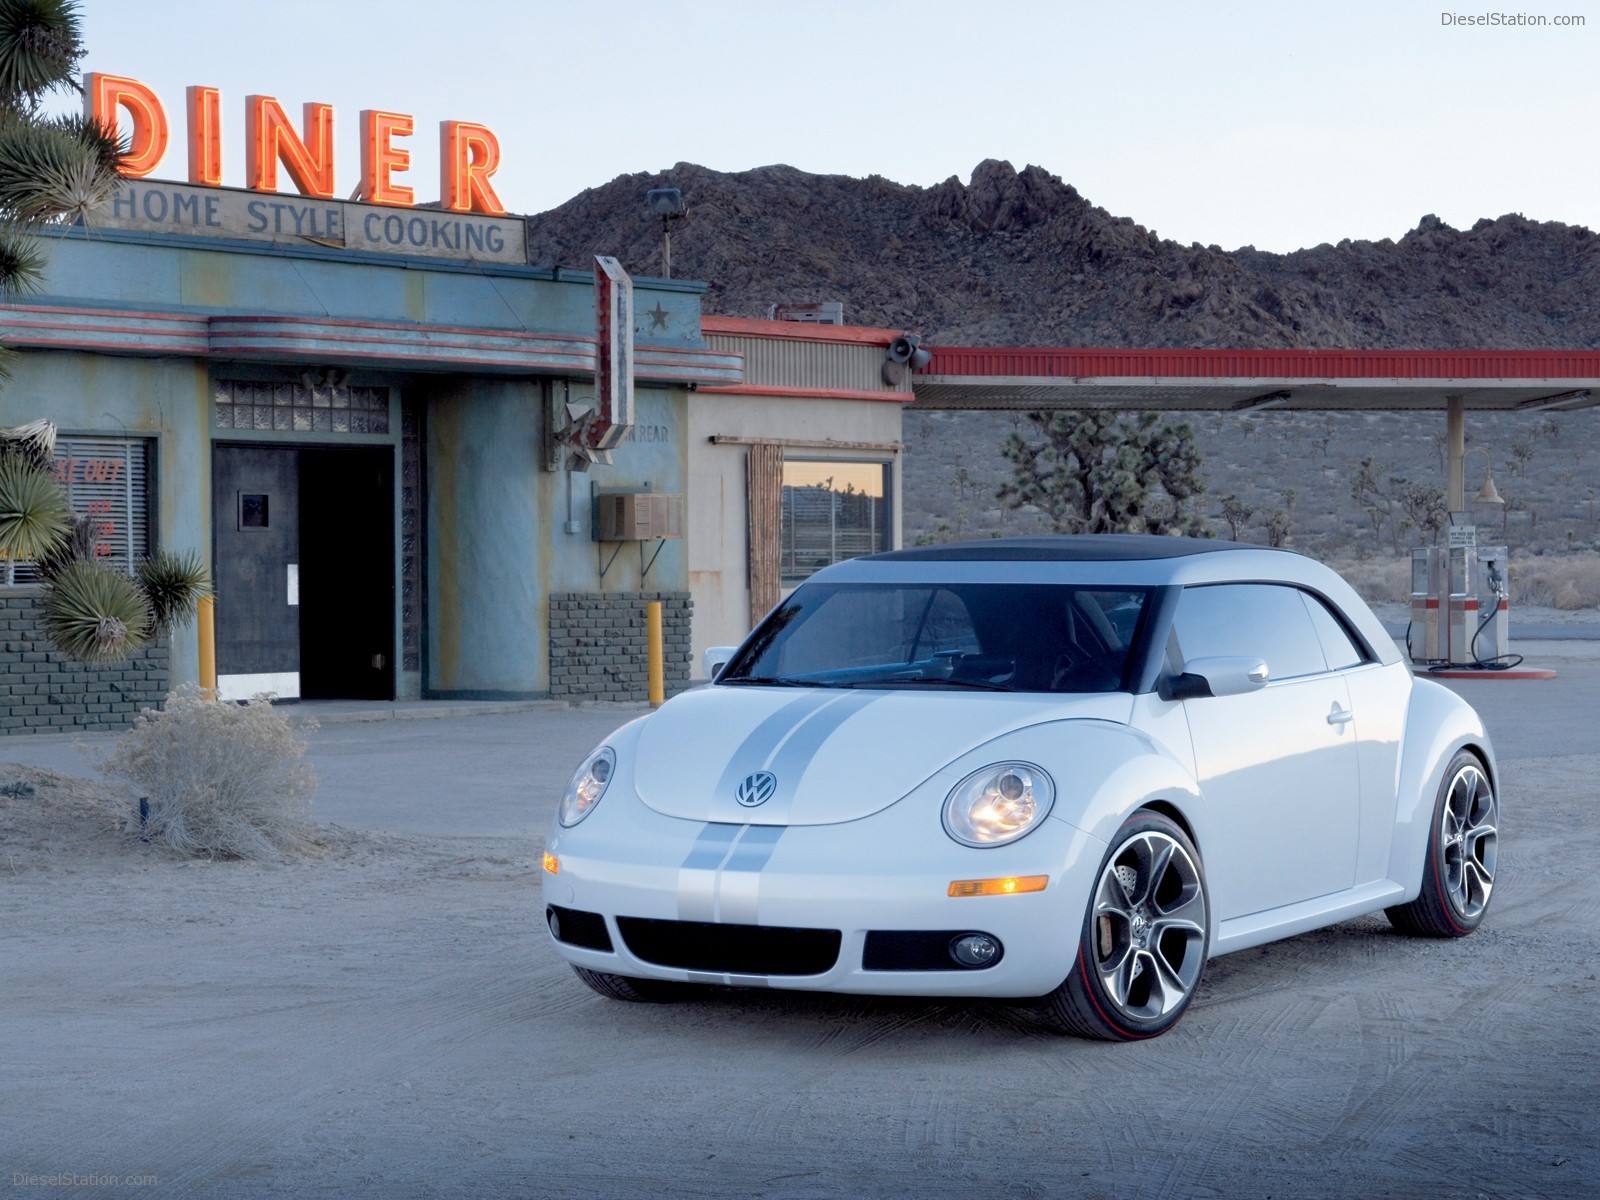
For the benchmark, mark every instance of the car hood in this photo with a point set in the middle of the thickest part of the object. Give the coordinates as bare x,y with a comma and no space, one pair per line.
833,755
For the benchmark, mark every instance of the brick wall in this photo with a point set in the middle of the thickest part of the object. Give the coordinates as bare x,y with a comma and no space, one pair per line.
44,691
598,649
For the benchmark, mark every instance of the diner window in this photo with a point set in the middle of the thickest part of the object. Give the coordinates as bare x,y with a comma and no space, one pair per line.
832,510
309,406
106,479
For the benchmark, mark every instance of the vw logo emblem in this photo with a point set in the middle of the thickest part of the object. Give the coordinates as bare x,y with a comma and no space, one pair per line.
757,789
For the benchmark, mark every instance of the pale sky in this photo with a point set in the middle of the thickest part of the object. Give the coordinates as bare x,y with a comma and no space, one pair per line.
1276,124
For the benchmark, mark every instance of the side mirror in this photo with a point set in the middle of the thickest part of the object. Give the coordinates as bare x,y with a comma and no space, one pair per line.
1220,676
714,659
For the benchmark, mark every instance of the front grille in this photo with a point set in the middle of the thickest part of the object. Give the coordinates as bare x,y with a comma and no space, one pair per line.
578,928
731,949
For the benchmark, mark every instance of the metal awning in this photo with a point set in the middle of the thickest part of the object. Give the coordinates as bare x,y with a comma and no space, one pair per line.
1257,380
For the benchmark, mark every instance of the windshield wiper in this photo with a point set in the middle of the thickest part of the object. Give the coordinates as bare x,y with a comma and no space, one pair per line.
774,681
930,680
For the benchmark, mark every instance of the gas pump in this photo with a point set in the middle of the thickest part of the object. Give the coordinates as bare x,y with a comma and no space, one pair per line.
1423,637
1459,603
1490,641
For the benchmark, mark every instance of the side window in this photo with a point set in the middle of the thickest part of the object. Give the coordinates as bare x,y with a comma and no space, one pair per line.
1341,651
1253,620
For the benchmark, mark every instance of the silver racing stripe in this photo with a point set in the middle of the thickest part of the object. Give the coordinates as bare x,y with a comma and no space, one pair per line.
793,756
788,751
697,878
739,882
766,737
720,879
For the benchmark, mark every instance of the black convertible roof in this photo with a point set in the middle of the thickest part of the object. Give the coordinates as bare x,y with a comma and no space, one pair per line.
1077,547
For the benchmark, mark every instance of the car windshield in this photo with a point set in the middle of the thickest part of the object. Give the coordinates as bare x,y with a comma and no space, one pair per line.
1001,637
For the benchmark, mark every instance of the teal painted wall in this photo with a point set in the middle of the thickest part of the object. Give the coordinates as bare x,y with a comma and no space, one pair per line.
168,399
497,520
154,274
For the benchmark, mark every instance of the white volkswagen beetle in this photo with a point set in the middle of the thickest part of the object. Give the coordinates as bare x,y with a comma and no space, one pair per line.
1071,768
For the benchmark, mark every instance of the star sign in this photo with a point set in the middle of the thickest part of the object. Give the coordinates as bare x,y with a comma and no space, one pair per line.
658,316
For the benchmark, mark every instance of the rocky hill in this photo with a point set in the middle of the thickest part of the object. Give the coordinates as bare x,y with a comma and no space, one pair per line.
1020,258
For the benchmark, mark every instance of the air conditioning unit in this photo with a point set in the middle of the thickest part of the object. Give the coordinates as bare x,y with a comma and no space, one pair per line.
829,312
638,516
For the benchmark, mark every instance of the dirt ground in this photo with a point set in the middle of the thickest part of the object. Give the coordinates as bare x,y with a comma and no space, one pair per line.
387,1019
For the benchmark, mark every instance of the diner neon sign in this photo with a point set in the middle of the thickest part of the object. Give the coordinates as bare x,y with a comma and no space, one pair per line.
468,154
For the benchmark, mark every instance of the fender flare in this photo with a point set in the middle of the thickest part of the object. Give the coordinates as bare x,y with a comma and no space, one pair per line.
1438,724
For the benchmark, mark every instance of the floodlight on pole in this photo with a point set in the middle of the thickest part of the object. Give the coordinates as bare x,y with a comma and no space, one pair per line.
666,203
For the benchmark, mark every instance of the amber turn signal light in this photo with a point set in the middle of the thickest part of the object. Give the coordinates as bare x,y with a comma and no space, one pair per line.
552,863
1010,885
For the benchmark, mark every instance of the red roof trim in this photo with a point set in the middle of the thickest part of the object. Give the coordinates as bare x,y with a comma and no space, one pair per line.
800,331
1057,363
800,393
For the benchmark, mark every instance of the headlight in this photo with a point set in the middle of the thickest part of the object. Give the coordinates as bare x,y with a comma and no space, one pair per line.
587,786
998,804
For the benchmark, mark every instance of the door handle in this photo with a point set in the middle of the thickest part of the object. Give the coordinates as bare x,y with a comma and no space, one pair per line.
1340,716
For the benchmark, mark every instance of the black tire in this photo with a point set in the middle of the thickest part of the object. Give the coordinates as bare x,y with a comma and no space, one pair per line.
1145,937
1459,864
637,991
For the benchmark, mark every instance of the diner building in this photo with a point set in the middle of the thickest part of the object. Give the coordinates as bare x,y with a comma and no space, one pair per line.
370,422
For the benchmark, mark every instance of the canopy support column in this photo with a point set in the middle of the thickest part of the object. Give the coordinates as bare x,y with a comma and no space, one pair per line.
1456,453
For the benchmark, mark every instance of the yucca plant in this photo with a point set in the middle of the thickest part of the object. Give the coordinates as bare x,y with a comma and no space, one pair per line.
34,521
77,546
41,42
33,443
64,167
51,168
173,584
95,613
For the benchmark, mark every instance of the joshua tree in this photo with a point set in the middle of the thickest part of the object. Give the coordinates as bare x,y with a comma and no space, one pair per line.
1103,472
1237,514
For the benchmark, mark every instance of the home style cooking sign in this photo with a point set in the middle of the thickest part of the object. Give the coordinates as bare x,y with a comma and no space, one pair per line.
469,221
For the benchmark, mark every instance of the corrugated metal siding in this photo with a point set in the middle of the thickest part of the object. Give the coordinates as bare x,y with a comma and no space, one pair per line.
1276,364
801,364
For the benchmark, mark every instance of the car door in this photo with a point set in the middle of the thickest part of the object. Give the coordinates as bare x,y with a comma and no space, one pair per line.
1278,766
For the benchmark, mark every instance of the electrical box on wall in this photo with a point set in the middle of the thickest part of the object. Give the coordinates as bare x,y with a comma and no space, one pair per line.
638,516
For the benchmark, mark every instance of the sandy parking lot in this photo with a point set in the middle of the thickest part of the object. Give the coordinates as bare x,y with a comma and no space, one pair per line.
387,1020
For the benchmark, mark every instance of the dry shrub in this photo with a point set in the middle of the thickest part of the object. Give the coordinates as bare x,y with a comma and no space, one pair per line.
221,780
1570,583
1377,580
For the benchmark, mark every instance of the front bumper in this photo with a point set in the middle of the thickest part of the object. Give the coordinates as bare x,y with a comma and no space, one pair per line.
887,873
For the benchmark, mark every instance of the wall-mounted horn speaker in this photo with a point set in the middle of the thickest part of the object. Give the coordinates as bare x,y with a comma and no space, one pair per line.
902,348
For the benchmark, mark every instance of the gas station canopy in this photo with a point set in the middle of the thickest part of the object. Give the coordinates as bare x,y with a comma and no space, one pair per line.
1259,380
